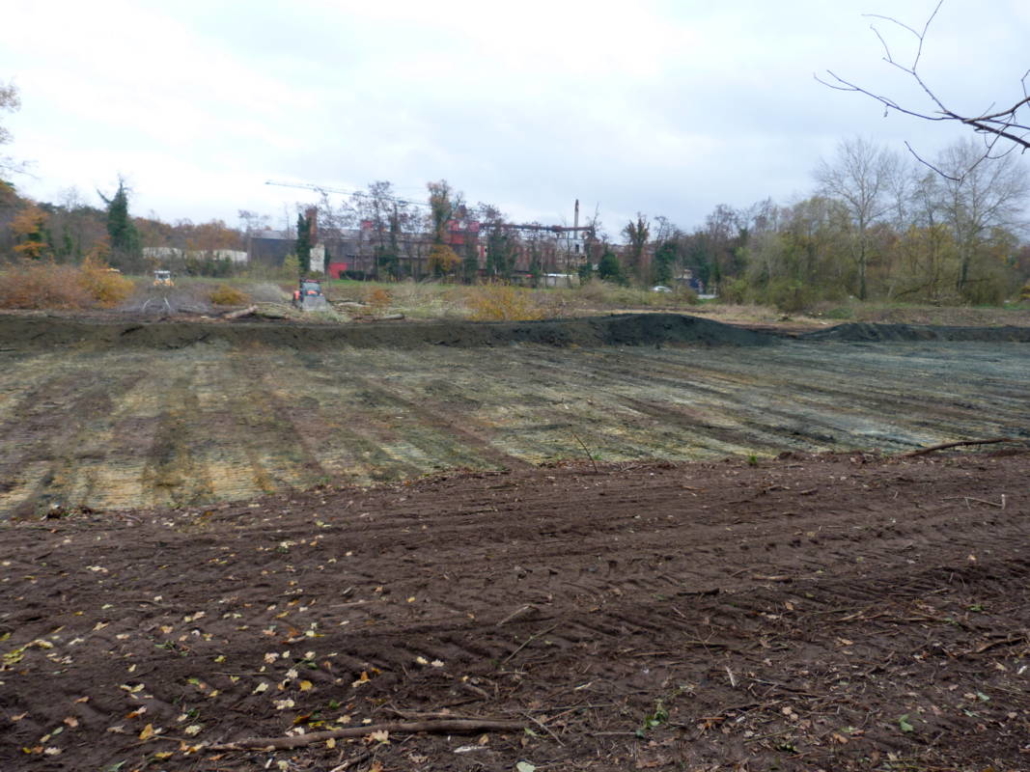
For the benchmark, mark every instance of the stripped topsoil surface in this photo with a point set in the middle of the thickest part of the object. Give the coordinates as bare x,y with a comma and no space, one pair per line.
835,612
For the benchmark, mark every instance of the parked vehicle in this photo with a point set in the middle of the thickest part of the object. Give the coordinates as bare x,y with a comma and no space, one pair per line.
309,296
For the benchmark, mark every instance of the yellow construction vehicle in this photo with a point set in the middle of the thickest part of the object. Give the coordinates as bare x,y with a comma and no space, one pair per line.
163,279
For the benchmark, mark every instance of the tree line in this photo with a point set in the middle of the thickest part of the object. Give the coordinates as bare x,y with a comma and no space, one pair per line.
876,226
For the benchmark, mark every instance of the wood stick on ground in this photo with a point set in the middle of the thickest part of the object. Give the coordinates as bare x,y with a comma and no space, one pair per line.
546,728
241,312
515,613
351,762
528,641
443,726
960,443
967,499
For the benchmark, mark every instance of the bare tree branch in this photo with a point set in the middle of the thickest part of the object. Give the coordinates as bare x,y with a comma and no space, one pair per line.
995,124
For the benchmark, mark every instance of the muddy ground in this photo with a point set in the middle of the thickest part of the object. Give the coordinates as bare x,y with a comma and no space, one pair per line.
625,543
120,415
838,612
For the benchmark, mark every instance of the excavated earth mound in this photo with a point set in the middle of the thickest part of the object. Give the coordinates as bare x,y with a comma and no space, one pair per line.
638,329
857,332
19,333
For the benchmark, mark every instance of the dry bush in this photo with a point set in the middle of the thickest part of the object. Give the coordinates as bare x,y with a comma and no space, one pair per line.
31,284
378,301
502,302
227,295
106,286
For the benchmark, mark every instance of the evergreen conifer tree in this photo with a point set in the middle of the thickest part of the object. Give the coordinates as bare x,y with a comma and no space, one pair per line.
304,244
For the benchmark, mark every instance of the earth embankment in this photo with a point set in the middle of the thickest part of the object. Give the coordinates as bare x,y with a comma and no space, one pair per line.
26,333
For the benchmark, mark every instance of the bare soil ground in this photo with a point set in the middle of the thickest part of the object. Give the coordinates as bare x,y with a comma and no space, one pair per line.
119,415
191,580
836,612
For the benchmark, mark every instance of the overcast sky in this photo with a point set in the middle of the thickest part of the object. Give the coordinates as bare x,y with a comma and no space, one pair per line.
664,107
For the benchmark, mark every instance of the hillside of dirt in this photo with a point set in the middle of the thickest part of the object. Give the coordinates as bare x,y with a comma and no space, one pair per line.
837,612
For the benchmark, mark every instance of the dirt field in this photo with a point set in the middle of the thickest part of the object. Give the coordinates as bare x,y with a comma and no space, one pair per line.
120,415
641,566
836,613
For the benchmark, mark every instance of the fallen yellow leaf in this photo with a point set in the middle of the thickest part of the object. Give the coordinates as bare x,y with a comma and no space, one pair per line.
147,733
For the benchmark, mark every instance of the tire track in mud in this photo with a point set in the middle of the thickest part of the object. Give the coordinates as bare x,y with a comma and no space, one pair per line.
56,438
468,440
251,419
548,589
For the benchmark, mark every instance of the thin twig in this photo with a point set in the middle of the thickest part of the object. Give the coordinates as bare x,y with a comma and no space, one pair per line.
546,728
589,454
967,499
960,443
447,726
515,613
351,762
528,641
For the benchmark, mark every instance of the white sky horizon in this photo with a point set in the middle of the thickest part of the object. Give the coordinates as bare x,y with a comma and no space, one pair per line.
666,108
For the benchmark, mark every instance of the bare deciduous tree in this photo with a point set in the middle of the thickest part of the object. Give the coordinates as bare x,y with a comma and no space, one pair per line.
9,102
1011,124
637,233
860,177
978,198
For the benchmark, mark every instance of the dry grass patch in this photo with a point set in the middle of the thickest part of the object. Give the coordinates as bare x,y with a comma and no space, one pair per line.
227,295
502,302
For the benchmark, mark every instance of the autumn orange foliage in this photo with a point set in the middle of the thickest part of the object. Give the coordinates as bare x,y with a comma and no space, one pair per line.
44,284
105,286
378,301
27,225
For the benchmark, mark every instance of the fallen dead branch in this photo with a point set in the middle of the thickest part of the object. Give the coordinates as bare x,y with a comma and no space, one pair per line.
241,312
1008,641
441,726
959,444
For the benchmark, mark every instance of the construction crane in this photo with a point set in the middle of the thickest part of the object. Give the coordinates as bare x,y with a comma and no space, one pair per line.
325,190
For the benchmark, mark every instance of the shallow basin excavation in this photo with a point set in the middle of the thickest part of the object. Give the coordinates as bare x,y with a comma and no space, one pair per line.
114,416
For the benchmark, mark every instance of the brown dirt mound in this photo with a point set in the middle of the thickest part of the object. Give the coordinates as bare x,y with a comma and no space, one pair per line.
837,613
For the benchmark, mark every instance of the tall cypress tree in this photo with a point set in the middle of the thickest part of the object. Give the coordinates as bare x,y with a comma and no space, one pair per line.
304,244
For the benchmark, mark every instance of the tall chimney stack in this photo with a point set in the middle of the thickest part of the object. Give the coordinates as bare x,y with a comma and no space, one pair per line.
312,215
575,221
